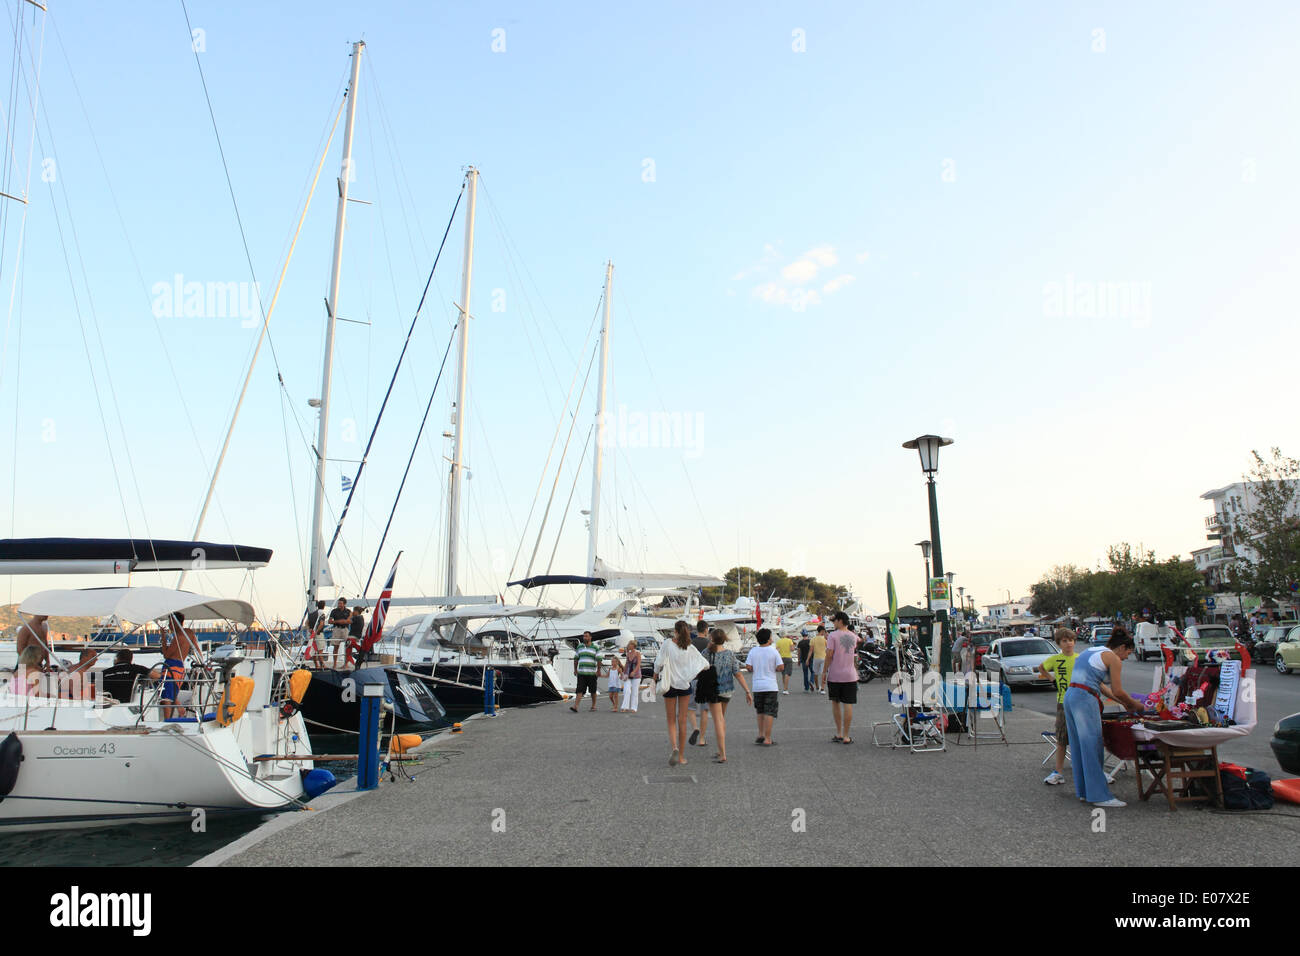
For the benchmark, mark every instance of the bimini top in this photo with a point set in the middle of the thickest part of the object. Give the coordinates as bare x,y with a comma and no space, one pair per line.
136,605
540,580
123,555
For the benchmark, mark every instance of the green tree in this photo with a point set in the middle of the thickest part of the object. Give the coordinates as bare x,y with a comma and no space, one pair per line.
1270,528
1059,590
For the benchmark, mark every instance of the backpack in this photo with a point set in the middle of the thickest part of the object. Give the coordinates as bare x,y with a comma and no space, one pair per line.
1245,788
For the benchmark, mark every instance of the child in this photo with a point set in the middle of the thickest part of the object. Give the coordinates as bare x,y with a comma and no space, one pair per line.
615,680
1059,667
764,662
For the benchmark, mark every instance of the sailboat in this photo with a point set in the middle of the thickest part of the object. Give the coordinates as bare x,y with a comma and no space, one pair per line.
332,701
439,646
612,622
239,743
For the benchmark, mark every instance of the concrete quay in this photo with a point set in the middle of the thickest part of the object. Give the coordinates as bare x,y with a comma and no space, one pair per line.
543,786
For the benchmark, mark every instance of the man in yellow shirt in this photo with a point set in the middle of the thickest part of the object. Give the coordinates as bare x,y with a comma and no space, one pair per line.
785,647
819,657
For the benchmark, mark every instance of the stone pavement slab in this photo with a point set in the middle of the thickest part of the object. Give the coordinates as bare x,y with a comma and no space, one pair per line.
544,786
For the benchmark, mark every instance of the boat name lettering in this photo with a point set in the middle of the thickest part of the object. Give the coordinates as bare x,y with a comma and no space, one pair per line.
87,751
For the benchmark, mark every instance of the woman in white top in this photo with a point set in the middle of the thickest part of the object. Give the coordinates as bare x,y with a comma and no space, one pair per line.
677,664
631,677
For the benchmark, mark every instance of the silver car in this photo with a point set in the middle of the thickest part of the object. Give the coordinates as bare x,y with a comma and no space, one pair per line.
1015,660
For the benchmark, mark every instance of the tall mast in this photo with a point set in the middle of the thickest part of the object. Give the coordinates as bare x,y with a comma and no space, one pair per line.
599,457
317,569
458,449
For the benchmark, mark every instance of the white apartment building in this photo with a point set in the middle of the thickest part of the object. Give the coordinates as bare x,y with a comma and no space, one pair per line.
999,613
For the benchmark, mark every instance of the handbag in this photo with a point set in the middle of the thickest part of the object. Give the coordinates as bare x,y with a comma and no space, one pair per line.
706,682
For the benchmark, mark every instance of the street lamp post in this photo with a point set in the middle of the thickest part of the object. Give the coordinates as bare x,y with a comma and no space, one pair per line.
927,447
925,553
961,603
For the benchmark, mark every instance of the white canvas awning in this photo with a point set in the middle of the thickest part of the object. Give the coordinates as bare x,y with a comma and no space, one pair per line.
136,605
624,580
477,611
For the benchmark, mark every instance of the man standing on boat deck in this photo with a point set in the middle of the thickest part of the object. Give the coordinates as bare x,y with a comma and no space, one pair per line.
340,620
178,643
35,632
586,664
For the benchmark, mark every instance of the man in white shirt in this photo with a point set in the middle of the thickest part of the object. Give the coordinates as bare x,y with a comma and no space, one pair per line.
764,662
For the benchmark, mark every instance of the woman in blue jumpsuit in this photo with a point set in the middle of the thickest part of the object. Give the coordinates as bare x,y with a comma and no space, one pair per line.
1094,668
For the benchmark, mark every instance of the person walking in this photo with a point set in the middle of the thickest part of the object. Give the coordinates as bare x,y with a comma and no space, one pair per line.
765,663
785,647
728,672
698,713
842,676
819,658
631,677
805,662
677,664
615,674
586,665
1095,668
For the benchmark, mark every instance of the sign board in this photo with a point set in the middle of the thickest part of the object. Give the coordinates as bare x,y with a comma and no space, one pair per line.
1209,603
939,600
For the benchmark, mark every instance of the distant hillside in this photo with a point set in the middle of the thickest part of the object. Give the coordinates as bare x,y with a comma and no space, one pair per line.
74,626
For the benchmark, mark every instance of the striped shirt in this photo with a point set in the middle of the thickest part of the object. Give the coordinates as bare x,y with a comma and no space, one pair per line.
587,662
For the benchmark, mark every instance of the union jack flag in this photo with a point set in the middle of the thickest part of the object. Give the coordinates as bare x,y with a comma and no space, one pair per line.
376,628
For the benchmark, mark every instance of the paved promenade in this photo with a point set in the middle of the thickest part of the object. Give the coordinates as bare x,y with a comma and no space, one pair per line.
542,785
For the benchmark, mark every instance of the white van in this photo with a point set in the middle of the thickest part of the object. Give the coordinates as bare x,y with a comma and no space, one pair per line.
1148,637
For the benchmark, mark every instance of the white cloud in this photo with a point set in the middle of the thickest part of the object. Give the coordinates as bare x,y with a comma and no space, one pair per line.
824,256
863,256
772,293
800,271
789,287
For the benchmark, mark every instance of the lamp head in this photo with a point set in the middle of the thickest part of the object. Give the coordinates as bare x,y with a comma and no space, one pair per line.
925,549
927,446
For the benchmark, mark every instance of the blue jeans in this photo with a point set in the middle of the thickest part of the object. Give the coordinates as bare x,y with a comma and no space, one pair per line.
1083,723
808,682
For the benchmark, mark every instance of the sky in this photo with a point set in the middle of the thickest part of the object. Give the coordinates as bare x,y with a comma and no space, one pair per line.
1061,235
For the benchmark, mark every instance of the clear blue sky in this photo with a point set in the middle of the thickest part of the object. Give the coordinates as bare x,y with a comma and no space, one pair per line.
842,246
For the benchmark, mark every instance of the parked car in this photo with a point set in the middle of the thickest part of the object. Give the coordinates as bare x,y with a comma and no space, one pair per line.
1264,649
1099,635
1286,657
980,640
1149,637
1286,743
1211,637
1015,660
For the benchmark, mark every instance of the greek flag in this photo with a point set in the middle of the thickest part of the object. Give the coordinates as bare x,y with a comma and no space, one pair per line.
347,484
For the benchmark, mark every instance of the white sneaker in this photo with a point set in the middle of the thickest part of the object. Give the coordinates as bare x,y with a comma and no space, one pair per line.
1112,802
1053,779
823,691
786,692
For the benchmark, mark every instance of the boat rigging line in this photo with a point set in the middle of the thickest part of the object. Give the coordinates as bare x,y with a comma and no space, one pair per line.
356,480
384,537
